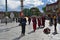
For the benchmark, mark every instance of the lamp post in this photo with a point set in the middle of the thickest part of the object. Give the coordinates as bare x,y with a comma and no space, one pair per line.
21,5
21,8
6,7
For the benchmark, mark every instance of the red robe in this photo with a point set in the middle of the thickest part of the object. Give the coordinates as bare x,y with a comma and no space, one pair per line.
43,20
39,21
34,23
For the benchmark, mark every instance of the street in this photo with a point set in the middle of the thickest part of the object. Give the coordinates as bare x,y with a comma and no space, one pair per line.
12,31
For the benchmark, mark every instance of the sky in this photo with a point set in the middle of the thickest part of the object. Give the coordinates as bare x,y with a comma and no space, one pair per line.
14,5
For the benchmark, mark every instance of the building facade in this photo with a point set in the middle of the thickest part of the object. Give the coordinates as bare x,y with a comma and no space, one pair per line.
53,8
2,14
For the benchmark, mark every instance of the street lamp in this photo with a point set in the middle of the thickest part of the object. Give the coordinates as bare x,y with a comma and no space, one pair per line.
21,5
21,8
6,7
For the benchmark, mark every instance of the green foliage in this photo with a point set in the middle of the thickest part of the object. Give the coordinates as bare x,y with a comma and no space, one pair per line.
35,11
44,9
7,14
16,14
27,12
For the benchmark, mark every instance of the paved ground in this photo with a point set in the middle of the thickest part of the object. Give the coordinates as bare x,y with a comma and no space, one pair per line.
13,32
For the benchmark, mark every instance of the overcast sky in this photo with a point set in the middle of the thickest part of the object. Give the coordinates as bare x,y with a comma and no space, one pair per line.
14,5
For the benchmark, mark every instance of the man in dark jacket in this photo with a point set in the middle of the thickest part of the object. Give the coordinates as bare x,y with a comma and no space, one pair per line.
23,24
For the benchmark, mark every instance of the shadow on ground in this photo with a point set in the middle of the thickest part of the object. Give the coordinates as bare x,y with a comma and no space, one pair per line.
1,25
18,38
36,29
7,29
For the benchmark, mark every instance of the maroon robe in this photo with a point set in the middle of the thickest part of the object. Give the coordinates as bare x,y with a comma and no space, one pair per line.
39,22
34,23
43,21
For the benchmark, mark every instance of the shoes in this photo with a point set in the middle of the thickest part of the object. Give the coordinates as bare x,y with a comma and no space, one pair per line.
54,33
22,34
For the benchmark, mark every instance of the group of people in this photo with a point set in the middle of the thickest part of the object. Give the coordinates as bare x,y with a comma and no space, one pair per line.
40,21
35,20
53,21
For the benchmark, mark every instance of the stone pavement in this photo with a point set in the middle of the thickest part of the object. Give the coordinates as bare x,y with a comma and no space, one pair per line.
13,32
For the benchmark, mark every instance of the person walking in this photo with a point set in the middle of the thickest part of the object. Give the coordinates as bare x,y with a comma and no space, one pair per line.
39,22
23,24
43,21
19,20
59,18
34,23
6,20
29,20
55,24
51,20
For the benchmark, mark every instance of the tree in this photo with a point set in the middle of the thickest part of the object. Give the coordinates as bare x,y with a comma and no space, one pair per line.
8,14
27,12
44,9
35,11
15,13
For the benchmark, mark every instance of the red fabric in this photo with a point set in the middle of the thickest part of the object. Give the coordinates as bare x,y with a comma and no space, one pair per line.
43,20
39,22
49,15
34,20
59,14
34,23
21,14
34,27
